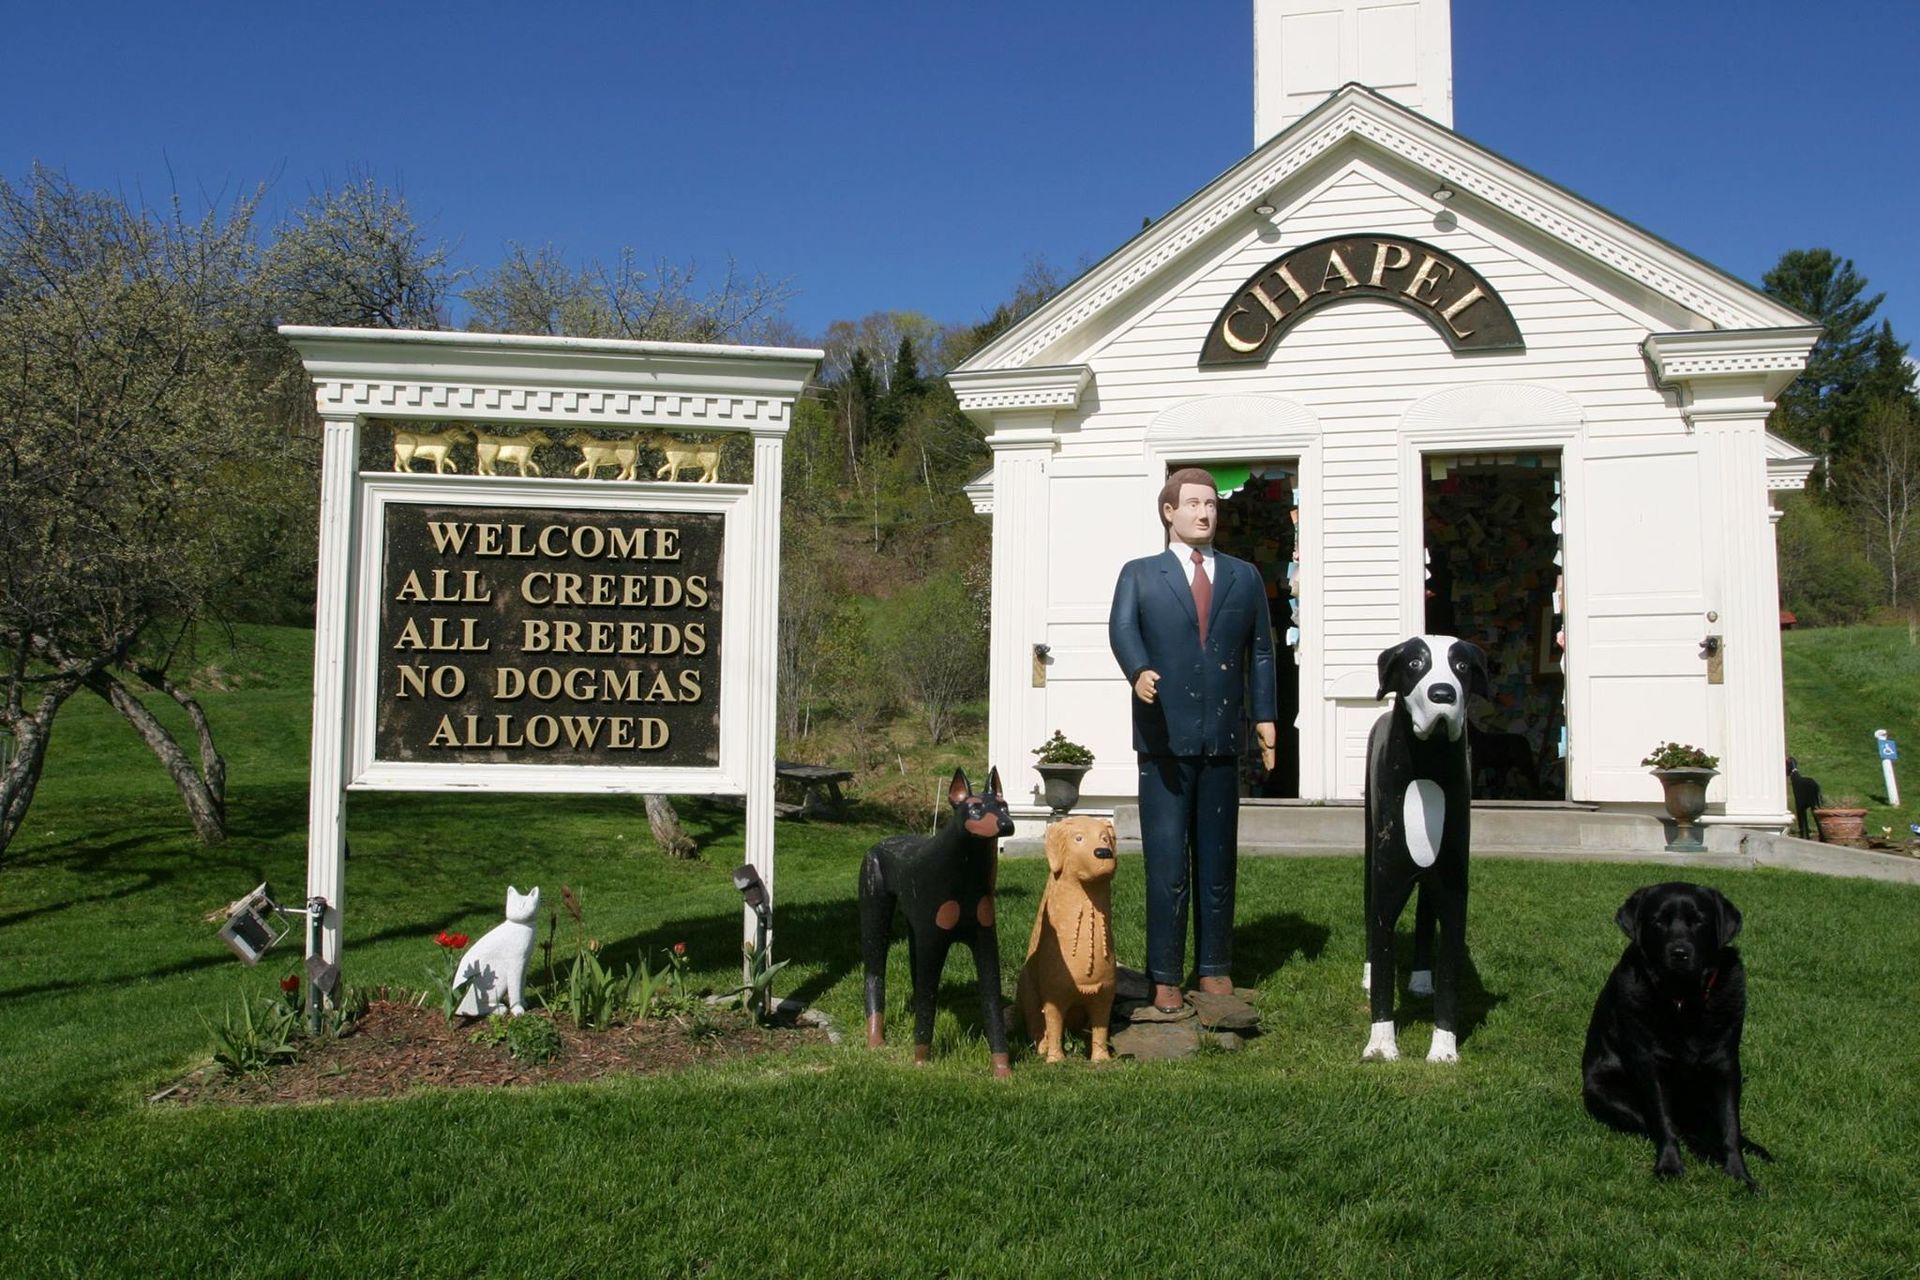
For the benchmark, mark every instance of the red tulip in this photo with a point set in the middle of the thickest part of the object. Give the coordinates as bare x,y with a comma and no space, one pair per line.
444,938
459,941
679,948
290,984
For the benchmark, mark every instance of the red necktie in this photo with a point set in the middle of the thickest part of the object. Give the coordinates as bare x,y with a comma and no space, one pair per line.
1202,594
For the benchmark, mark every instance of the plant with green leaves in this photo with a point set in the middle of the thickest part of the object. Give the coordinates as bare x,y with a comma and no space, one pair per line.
526,1038
444,986
755,994
1060,749
261,1036
1676,755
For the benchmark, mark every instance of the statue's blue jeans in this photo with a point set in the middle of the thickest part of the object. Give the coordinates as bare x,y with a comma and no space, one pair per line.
1189,833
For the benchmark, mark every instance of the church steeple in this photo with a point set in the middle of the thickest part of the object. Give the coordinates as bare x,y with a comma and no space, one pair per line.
1305,49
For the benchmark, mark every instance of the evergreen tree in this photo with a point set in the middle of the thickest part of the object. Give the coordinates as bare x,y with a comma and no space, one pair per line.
1821,410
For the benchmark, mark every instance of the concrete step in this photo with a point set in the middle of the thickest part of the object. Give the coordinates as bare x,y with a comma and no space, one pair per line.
1292,826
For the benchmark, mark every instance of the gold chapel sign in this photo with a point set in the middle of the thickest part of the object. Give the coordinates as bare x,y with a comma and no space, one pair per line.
1444,291
517,635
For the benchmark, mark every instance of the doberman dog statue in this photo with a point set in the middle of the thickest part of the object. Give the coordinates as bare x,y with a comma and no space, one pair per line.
1419,792
944,884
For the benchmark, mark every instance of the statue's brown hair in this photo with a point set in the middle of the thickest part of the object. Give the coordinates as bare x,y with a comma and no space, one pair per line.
1170,492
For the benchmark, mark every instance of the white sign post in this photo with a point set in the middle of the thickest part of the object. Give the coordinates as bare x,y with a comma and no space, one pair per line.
508,385
1889,752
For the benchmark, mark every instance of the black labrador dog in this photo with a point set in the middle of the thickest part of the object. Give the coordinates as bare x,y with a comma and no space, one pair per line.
1663,1048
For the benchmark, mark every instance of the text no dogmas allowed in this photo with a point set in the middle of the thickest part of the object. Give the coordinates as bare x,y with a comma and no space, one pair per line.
551,637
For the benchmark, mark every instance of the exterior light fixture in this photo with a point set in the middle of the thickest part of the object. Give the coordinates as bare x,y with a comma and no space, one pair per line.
253,923
1443,193
1265,209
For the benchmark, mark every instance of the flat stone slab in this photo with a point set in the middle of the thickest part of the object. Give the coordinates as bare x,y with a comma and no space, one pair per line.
1224,1012
1146,1013
1157,1041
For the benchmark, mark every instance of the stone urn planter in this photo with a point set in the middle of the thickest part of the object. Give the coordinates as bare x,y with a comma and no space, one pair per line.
1060,787
1841,824
1684,772
1686,797
1061,764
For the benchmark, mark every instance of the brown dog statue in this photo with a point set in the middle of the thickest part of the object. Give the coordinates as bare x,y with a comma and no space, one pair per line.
1067,983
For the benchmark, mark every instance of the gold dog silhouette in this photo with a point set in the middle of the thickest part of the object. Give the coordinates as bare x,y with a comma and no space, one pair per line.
1068,981
426,446
495,452
681,454
595,454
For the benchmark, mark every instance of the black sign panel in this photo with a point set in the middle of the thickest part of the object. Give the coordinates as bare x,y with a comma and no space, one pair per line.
1442,290
562,637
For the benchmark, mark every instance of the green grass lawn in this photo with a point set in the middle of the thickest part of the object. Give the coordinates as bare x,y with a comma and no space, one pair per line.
1842,684
1287,1158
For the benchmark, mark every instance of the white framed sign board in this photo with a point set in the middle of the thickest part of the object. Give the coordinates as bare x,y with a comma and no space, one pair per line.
542,634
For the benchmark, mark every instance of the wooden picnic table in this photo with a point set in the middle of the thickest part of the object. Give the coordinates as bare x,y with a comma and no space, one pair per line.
818,788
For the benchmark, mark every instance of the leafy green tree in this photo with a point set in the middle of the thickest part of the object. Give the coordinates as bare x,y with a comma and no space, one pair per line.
354,256
1825,576
538,291
935,647
127,381
1821,409
1880,485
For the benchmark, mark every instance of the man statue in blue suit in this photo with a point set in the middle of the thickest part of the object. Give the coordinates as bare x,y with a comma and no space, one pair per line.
1190,630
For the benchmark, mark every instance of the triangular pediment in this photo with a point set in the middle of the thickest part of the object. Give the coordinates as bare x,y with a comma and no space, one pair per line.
1356,124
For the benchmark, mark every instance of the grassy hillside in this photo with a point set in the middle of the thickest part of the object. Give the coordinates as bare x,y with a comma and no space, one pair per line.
1289,1157
1842,684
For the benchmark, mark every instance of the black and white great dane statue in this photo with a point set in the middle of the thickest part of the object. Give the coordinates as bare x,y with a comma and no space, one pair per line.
1419,790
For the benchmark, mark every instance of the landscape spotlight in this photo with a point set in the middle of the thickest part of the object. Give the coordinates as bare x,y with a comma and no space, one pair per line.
753,890
253,925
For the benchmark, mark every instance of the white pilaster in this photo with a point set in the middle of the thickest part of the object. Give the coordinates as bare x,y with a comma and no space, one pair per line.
333,624
763,634
1022,443
1727,381
1017,410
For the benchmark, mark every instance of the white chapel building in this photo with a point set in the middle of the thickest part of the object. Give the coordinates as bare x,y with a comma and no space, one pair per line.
1438,393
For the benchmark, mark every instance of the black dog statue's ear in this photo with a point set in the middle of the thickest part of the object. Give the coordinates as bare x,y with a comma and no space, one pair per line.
993,780
1390,664
959,789
1729,915
1628,916
1478,680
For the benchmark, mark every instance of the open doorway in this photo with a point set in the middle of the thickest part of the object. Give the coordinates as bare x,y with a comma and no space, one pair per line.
1259,523
1494,564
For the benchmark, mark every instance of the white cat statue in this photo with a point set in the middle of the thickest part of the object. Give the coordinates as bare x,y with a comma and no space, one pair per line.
496,966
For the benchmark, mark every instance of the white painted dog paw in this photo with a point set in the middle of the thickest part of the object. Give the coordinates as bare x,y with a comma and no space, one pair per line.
1366,975
1381,1046
1443,1049
1420,982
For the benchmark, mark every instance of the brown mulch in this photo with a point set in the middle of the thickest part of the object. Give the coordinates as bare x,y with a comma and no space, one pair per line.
396,1046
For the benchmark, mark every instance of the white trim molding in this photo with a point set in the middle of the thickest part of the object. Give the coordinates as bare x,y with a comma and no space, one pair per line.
1729,363
982,394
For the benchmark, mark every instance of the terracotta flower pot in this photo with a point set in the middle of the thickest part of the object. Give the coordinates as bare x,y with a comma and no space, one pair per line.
1686,797
1839,825
1060,787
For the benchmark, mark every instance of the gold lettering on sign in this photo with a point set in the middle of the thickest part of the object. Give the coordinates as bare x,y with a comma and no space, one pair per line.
1383,261
1445,292
1265,299
1425,279
1337,265
1285,272
1460,304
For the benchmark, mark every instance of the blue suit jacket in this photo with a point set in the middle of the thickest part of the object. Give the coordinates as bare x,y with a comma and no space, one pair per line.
1201,705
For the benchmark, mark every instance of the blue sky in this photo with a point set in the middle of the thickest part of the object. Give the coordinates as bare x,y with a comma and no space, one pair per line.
909,156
